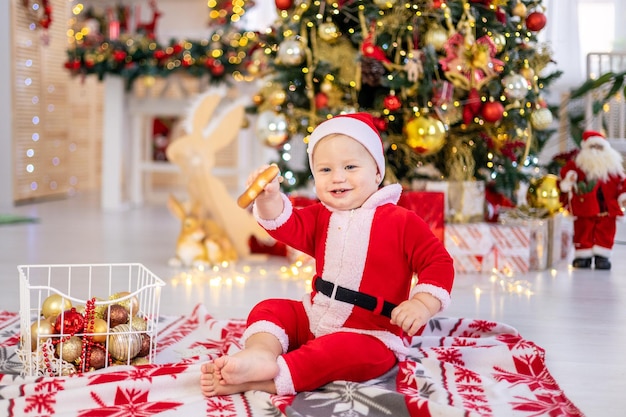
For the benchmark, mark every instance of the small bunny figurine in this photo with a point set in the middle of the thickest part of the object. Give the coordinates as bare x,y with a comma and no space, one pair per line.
201,241
211,126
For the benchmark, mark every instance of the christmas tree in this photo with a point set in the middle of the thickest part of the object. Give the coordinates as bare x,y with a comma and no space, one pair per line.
456,87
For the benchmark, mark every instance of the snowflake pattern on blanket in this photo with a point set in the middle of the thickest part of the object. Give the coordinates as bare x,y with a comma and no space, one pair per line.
458,367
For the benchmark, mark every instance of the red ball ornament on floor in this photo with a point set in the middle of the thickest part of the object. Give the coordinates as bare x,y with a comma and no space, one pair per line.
492,111
284,4
536,21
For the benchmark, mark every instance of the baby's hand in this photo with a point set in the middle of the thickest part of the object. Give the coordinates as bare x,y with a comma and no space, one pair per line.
264,182
411,315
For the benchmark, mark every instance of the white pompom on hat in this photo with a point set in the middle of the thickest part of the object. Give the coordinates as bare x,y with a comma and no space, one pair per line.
358,126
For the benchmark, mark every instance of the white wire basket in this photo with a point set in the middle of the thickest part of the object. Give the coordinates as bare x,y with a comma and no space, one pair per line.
80,317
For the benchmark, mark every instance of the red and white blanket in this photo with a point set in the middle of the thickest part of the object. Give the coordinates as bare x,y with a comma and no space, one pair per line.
458,367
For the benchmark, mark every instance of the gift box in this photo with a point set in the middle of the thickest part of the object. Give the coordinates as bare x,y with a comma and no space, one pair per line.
464,201
469,245
429,205
567,235
519,246
515,247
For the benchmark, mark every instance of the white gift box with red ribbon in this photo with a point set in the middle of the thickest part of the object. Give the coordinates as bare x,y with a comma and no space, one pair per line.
518,247
507,248
468,244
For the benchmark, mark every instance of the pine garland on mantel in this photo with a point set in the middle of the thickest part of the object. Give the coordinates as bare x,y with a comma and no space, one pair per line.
138,55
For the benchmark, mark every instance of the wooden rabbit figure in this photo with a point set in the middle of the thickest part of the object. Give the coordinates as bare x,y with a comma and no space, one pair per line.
195,153
201,241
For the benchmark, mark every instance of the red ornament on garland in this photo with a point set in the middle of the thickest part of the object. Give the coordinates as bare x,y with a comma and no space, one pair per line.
119,56
321,100
536,21
474,102
492,111
284,4
69,322
392,102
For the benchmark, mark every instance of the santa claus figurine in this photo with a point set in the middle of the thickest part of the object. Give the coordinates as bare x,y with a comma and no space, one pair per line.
595,185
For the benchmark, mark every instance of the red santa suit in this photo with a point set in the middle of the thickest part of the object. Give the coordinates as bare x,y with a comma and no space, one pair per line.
374,249
595,185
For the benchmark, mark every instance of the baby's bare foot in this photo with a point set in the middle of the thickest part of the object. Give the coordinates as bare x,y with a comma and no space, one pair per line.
248,365
209,381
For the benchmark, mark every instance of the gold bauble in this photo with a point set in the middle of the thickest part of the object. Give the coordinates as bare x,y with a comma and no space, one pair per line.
140,360
328,32
138,324
130,304
541,118
124,344
499,40
54,305
40,330
528,73
99,326
544,193
519,10
99,309
426,135
385,4
70,350
277,97
436,36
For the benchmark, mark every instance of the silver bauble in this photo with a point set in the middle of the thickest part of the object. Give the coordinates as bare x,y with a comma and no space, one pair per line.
291,52
515,86
272,128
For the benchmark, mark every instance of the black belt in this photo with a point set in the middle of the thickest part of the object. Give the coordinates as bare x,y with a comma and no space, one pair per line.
359,299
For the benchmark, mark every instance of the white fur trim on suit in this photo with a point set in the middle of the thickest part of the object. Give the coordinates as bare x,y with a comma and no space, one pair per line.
583,253
283,381
567,184
621,200
439,293
273,224
265,326
601,251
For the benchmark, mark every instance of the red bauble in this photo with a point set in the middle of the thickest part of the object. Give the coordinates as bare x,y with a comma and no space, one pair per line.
217,69
284,4
492,111
119,56
321,100
536,21
69,322
392,102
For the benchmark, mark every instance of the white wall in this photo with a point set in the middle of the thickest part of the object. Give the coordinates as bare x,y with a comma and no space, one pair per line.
6,125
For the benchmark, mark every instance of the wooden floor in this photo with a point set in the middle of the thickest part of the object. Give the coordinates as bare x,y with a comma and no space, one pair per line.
578,317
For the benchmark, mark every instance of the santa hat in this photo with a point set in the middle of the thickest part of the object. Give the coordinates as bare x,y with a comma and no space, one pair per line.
592,137
360,127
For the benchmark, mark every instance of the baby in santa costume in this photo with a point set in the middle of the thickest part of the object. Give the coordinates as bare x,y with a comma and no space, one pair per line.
595,185
366,250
